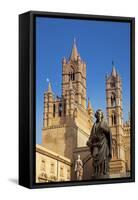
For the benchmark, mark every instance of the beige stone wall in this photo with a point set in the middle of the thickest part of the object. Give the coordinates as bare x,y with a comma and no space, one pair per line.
68,133
84,124
82,138
61,140
83,120
51,166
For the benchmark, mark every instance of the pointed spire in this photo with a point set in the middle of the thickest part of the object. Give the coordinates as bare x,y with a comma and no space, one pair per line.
49,88
113,69
74,53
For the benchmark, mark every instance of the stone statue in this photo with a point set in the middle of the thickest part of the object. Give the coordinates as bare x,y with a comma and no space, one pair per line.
100,144
79,168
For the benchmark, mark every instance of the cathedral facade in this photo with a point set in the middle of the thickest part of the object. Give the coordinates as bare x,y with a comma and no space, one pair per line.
67,122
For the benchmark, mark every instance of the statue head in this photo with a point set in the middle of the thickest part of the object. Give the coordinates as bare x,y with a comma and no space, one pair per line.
78,157
99,115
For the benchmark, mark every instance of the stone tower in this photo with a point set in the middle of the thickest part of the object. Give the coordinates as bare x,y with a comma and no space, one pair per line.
48,107
74,70
67,121
115,120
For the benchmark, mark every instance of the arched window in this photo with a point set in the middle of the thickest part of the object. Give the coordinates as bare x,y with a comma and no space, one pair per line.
61,171
113,99
68,173
72,74
54,110
60,109
113,119
43,165
52,169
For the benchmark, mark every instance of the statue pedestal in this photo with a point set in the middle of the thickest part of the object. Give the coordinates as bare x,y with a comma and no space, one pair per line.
117,167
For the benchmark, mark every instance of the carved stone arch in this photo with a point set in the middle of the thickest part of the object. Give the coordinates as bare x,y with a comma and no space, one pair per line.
72,73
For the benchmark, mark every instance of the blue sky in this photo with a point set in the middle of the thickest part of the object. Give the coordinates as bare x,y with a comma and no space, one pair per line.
98,42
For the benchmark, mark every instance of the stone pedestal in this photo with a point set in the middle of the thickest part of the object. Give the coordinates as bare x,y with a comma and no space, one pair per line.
117,168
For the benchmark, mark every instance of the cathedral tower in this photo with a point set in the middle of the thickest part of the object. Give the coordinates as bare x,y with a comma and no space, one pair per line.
74,70
114,99
66,120
115,119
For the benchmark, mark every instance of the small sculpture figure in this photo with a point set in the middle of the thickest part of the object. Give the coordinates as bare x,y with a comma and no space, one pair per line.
100,144
79,168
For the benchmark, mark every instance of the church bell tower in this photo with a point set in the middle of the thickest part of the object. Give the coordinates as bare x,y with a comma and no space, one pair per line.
114,99
115,120
74,70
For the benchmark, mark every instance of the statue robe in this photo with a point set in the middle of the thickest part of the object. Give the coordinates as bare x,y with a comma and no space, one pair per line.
100,144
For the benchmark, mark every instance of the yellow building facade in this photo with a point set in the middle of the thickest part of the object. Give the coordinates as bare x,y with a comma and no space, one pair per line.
51,167
67,121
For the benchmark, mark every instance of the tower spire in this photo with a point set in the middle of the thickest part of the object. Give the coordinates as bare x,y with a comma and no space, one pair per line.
113,69
49,88
74,52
